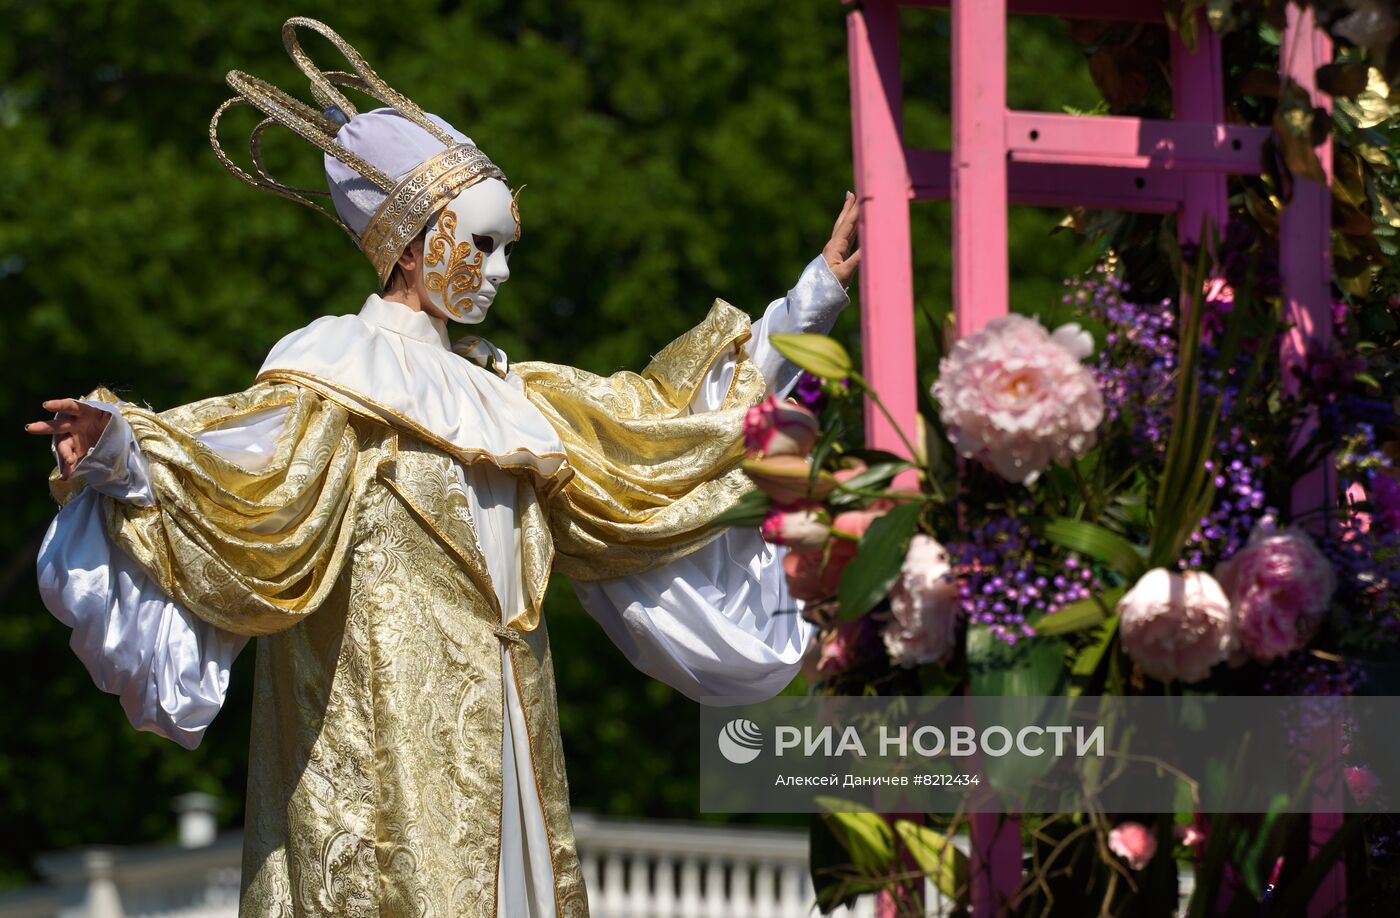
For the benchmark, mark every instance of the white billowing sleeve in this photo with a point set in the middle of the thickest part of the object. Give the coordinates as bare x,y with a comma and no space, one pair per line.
169,668
719,624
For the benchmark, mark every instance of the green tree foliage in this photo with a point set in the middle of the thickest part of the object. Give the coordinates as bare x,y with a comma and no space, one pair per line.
674,152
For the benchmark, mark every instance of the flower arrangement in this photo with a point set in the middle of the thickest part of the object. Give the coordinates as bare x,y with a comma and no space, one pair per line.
1103,507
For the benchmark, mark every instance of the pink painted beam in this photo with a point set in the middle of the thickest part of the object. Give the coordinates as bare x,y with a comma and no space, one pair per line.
882,185
1117,10
1306,262
1134,143
1198,94
980,294
1152,190
980,259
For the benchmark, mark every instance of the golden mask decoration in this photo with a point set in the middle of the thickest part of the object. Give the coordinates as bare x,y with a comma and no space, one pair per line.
460,274
515,210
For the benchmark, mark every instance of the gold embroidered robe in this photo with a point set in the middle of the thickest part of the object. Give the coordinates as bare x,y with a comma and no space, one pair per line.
375,772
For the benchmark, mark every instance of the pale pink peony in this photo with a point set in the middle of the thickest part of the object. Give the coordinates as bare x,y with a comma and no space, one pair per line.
779,428
1362,782
1176,626
1134,843
1280,586
1016,397
801,529
923,622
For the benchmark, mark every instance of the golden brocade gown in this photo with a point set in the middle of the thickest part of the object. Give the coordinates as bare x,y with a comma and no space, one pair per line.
383,515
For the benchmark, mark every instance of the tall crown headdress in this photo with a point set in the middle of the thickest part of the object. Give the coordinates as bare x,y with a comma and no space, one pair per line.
390,170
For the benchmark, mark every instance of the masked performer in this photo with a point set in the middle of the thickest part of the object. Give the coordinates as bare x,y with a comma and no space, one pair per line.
383,509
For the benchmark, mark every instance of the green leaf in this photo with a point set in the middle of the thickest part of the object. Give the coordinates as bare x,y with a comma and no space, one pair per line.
1034,666
748,511
864,834
871,573
1090,657
1086,613
817,354
834,878
875,475
937,857
1097,542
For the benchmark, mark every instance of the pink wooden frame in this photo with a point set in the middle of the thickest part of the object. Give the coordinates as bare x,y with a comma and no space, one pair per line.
1000,157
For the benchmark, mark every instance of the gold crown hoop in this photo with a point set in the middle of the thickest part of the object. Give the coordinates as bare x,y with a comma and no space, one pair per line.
411,200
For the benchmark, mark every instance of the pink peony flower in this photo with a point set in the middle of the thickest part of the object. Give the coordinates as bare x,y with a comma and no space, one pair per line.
1280,586
1134,843
802,529
1017,398
814,575
1362,782
841,647
1176,626
923,622
779,428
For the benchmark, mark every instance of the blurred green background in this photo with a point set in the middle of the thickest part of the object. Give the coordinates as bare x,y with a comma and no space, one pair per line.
674,153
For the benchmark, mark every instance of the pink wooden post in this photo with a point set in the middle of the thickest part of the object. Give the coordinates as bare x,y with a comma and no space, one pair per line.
981,279
882,185
1305,261
1198,95
981,273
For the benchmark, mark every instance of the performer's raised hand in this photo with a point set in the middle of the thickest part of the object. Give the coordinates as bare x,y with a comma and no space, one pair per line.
74,428
837,252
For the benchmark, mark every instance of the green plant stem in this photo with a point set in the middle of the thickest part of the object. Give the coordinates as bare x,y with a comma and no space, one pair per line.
914,456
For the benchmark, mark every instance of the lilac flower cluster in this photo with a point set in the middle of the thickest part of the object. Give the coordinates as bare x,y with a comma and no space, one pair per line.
813,394
1000,587
1135,366
1311,683
1239,503
1302,674
809,392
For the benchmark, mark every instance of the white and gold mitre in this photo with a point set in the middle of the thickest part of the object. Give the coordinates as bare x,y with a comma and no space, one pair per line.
390,170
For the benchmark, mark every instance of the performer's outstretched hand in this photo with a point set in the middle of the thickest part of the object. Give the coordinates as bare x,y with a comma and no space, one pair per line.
837,252
75,428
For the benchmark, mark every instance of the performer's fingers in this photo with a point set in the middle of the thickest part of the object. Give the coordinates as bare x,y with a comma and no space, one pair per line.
853,260
62,406
846,230
41,428
67,455
841,217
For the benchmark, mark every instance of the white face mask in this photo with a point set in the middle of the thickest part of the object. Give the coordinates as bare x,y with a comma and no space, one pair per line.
466,250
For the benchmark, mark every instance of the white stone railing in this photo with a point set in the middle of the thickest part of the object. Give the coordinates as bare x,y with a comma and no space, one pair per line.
633,869
650,869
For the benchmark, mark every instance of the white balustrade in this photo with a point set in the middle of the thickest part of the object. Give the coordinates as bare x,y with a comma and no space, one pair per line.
632,869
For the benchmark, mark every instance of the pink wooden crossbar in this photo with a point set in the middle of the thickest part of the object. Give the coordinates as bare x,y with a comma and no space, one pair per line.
1000,157
1133,143
1112,10
1036,185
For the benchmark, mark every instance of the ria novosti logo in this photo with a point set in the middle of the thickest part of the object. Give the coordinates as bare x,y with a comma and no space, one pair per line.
740,741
